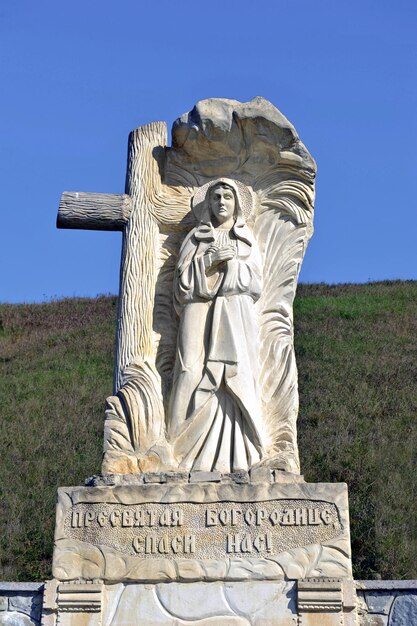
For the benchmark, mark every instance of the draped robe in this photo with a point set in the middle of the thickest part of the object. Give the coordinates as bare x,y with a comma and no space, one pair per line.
214,412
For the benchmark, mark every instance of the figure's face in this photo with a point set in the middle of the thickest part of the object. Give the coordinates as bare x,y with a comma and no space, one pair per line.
222,204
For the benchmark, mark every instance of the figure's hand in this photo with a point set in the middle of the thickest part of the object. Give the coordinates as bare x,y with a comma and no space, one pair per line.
222,255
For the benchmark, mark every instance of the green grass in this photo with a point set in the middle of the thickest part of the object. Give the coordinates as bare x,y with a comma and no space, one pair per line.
357,359
56,371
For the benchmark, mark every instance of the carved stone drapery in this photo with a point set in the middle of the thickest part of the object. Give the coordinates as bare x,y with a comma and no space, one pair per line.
252,143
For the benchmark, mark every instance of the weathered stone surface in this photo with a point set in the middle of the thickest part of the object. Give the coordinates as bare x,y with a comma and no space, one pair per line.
78,597
203,477
387,585
24,588
260,475
157,477
320,619
210,604
378,602
26,604
404,611
280,476
50,595
350,597
20,603
219,137
75,619
319,595
202,531
375,620
239,477
13,618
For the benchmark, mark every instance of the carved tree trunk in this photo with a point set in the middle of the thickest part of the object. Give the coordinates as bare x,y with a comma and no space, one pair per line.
95,211
135,414
140,244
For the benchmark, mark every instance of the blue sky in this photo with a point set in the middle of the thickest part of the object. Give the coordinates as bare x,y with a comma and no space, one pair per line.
77,76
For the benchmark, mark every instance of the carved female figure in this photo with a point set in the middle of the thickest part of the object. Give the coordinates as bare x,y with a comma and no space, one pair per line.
214,414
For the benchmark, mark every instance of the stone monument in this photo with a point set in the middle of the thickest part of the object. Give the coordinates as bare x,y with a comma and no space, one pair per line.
200,515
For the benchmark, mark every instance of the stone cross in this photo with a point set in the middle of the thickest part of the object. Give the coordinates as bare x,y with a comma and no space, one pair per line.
133,213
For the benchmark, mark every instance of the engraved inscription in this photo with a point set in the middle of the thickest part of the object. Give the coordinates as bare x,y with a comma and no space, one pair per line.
128,518
286,517
204,531
244,544
154,544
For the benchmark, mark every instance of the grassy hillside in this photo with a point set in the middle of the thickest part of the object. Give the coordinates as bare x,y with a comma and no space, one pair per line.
357,359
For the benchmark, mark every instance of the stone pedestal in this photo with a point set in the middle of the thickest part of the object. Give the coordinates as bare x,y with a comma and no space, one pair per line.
202,549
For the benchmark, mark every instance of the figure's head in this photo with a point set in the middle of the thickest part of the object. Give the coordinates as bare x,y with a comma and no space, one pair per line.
221,200
223,204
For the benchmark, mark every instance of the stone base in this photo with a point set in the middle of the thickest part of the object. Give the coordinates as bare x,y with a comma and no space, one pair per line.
255,603
201,549
208,531
312,601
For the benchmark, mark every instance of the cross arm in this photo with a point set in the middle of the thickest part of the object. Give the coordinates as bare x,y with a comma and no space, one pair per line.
93,211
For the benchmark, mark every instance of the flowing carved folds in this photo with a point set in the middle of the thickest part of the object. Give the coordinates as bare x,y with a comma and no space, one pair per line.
252,143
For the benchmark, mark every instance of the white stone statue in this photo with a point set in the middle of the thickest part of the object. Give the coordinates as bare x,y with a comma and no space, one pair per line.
205,374
205,402
214,418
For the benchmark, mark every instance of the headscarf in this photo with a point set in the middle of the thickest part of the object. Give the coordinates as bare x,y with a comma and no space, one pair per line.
202,210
